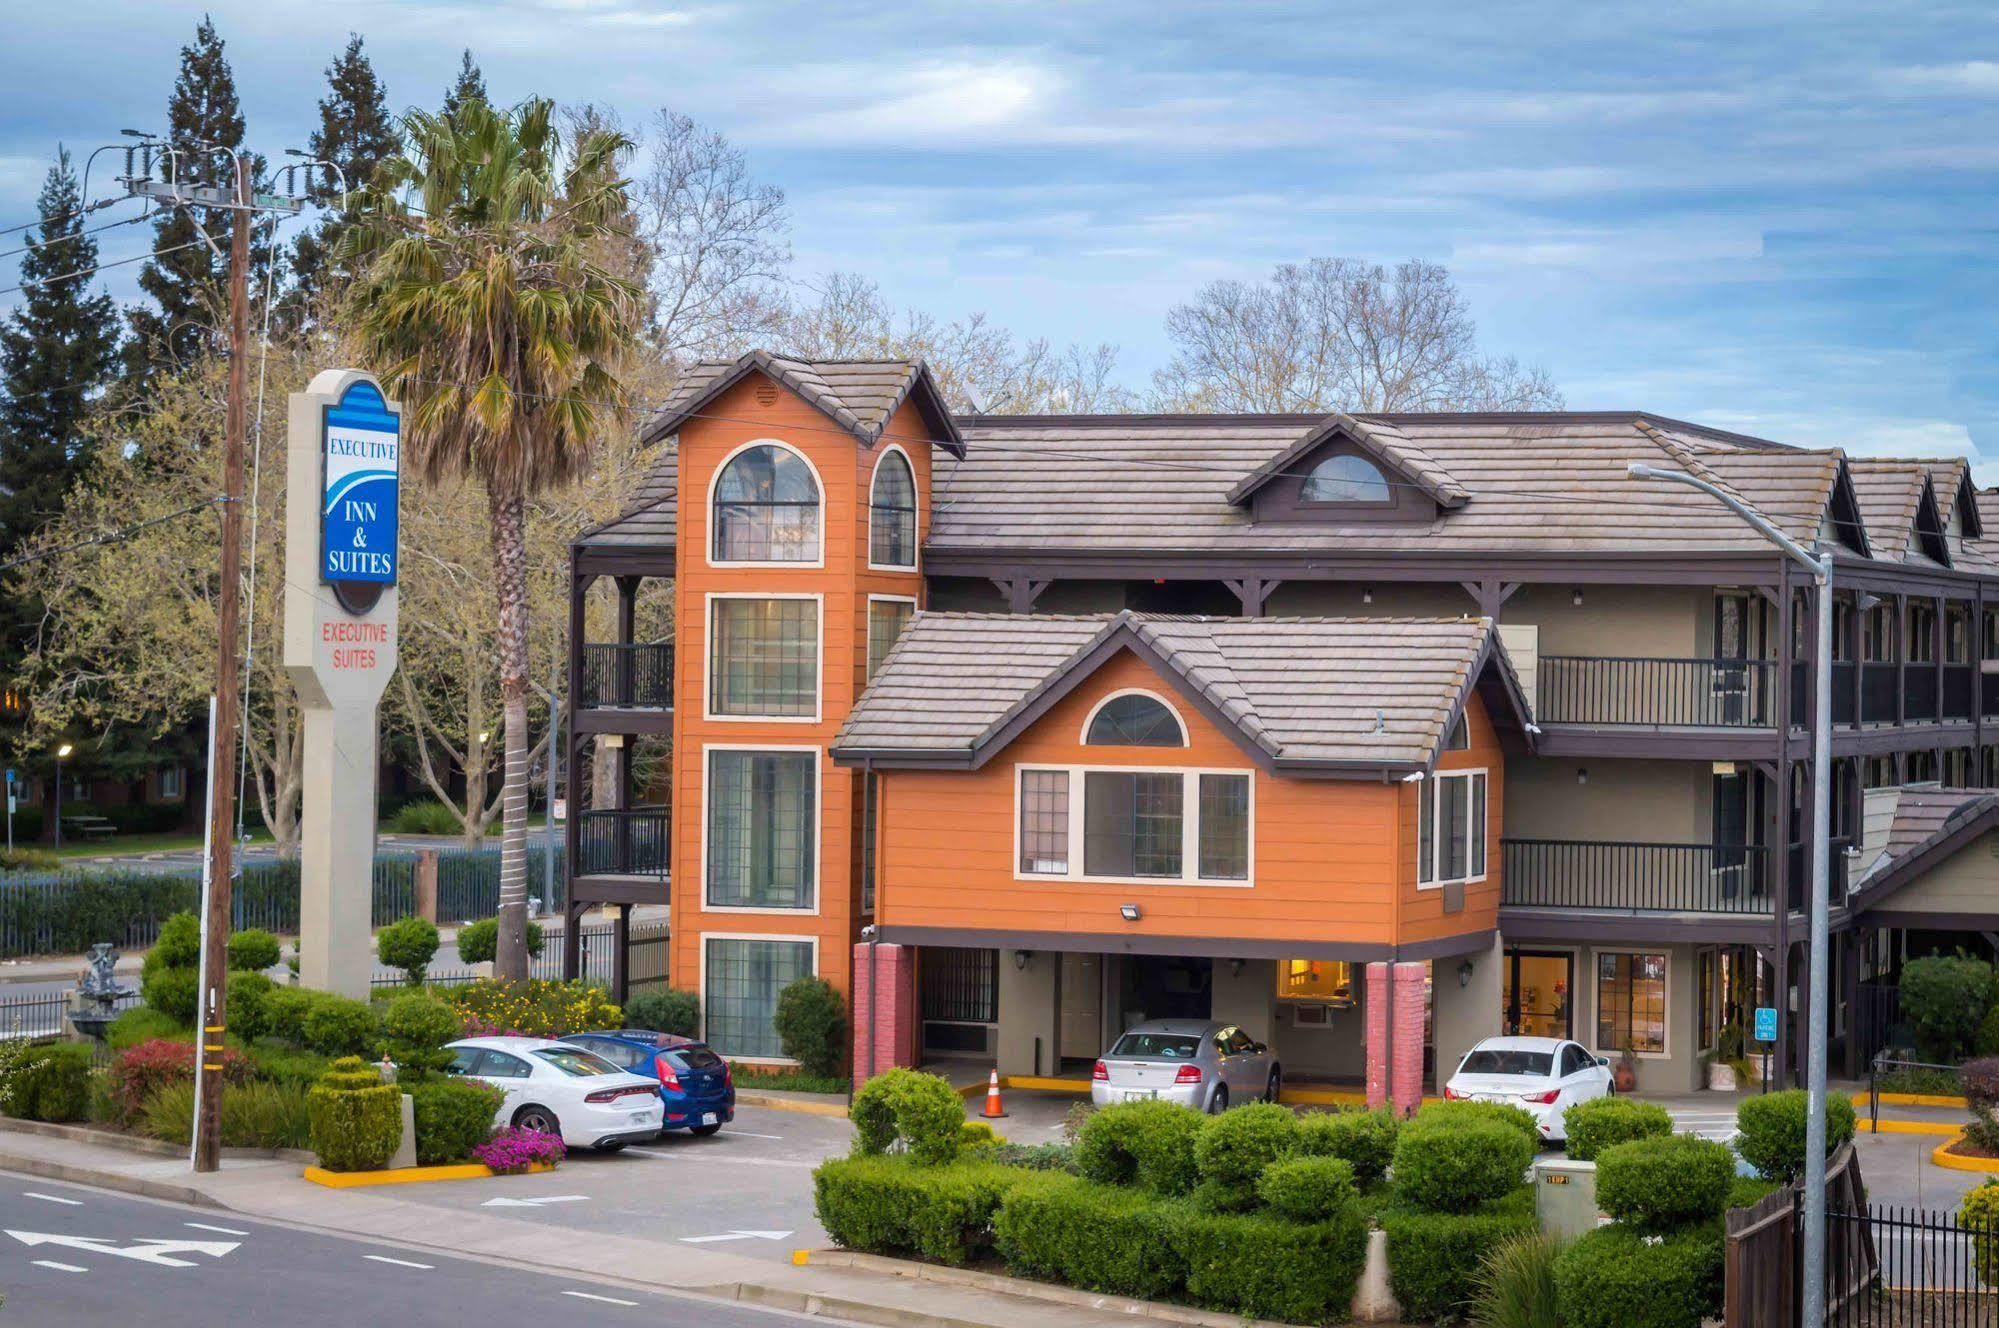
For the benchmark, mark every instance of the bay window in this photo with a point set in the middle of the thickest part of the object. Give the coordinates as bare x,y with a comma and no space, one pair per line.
1450,828
1134,825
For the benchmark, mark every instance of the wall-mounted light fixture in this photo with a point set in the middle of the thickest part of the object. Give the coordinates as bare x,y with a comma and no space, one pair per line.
1464,973
1235,968
1577,599
1129,912
1582,774
1367,594
1020,958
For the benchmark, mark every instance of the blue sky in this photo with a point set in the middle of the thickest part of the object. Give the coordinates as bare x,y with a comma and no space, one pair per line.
1777,218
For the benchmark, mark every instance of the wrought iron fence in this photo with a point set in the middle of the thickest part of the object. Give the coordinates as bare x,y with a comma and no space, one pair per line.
468,882
597,945
1667,878
1893,1267
42,1014
1886,1075
638,676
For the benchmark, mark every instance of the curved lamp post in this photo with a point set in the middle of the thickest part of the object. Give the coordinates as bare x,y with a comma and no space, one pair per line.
61,752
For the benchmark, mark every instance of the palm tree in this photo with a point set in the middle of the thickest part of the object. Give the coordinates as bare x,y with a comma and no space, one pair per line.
483,307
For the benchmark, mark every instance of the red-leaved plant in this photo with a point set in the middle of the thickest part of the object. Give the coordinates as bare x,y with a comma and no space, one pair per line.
141,1071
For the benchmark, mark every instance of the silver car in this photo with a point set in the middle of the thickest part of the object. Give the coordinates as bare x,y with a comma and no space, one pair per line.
1198,1063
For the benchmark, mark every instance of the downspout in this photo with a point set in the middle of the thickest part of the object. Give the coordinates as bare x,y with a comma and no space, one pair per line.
872,935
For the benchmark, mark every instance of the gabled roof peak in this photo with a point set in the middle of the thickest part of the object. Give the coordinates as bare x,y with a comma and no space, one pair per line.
860,396
1383,442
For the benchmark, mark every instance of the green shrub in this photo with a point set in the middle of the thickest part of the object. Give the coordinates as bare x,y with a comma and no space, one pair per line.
1978,1212
919,1111
1455,1167
47,1081
1944,1000
1150,1143
142,1023
1434,1258
143,1070
1985,1044
1771,1129
1266,1267
1657,1185
1453,1113
409,945
247,994
254,1115
665,1011
535,1008
1615,1277
286,1065
1237,1145
1365,1140
1098,1237
177,946
453,1116
1746,1191
1515,1287
424,817
1307,1189
415,1027
28,859
890,1205
1035,1157
356,1119
285,1010
340,1026
174,992
252,950
477,940
811,1024
1603,1122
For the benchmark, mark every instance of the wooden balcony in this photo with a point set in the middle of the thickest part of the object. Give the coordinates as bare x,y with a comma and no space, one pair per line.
634,841
626,677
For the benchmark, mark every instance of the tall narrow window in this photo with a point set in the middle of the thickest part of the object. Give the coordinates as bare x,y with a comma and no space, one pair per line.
886,619
1044,822
762,809
870,821
766,508
1450,827
1225,827
1631,1002
892,513
763,657
741,981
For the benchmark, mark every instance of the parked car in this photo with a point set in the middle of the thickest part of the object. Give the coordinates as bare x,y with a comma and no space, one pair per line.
562,1090
1196,1062
1542,1076
697,1089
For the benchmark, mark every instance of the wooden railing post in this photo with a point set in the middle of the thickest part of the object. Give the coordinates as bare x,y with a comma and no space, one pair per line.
426,884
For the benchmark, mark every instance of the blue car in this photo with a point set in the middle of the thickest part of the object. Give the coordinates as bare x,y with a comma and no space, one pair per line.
696,1085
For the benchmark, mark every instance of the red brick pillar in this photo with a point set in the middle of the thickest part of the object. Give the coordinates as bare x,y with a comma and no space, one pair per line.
1406,1079
893,1022
1376,1033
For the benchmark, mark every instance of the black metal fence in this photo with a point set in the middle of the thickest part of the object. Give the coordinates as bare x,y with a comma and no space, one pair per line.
41,1015
1665,693
635,676
1892,1267
597,945
1666,878
1885,1075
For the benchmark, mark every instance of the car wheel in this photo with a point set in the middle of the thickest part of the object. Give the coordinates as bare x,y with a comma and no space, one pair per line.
1220,1101
538,1118
704,1130
1276,1085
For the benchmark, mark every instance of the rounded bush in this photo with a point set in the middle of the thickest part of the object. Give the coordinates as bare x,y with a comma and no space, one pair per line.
1448,1168
1434,1258
248,993
174,992
1944,1000
1978,1212
1655,1185
48,1081
453,1116
920,1111
1098,1237
1147,1143
1235,1147
252,950
1307,1189
356,1119
665,1011
1615,1277
811,1024
285,1010
408,945
1451,1113
1365,1140
1771,1131
415,1027
1604,1122
886,1205
178,945
1263,1267
477,941
338,1026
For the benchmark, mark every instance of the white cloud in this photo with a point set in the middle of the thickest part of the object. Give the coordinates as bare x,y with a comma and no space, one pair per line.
1978,78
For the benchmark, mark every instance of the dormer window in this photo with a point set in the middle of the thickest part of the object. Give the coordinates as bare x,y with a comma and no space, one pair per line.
1135,719
1345,478
766,508
892,513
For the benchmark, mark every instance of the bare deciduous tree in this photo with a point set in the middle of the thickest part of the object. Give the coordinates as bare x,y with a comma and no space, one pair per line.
1338,334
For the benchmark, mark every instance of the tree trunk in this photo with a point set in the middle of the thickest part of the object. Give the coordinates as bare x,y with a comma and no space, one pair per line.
510,958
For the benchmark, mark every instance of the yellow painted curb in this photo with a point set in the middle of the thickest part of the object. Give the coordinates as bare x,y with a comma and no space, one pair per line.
354,1180
1920,1100
1943,1157
1940,1128
790,1104
1037,1083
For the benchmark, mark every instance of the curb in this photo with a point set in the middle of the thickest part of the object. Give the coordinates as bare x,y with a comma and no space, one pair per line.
138,1143
1943,1157
833,1307
354,1180
1908,1127
107,1180
1919,1100
774,1103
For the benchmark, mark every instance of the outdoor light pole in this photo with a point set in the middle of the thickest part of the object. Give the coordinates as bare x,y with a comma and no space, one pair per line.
1820,566
61,752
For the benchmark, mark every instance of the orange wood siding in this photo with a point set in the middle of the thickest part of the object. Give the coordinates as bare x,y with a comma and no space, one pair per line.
1421,910
1333,860
749,413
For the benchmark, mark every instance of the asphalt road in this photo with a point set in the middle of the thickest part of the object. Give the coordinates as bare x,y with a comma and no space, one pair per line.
73,1257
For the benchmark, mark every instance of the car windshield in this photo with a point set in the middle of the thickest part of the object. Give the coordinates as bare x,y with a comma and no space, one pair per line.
1506,1060
1158,1046
577,1064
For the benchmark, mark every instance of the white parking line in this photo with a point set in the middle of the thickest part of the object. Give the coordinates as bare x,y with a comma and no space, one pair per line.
400,1263
59,1267
51,1198
608,1300
203,1226
749,1134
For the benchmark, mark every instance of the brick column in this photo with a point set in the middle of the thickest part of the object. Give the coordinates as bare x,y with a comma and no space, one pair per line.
1376,1033
1406,1076
893,1023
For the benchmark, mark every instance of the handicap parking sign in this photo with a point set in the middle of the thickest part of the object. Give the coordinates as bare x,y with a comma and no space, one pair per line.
1766,1023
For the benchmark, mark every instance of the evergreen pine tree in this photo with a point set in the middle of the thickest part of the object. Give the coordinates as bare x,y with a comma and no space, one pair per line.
471,85
355,133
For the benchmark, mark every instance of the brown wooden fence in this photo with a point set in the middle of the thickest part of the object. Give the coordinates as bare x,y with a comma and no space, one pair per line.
1762,1265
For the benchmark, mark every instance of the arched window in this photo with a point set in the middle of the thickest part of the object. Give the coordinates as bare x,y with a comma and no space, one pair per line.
892,513
766,508
1345,479
1135,720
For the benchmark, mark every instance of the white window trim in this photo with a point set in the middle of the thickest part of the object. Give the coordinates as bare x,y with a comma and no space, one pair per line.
708,658
1596,1003
818,827
1083,737
707,936
916,494
715,476
1190,826
176,776
1428,789
910,600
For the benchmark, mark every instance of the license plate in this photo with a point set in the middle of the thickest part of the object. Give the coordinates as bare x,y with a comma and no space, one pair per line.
1140,1094
707,1118
642,1118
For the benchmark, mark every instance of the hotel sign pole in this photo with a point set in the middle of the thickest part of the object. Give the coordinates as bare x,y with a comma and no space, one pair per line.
341,516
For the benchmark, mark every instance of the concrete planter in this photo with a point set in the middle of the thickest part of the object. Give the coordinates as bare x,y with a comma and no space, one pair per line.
1721,1077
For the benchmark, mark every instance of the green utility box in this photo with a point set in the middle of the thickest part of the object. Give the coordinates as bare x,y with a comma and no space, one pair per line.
1565,1197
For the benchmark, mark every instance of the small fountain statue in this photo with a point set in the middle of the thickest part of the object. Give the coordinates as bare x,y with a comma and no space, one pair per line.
97,992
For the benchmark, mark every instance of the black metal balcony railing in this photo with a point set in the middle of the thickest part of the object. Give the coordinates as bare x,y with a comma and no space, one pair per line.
632,842
634,676
1960,682
1921,692
1662,878
1687,693
1988,688
1798,870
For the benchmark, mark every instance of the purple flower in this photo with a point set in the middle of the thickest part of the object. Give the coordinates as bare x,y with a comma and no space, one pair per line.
512,1151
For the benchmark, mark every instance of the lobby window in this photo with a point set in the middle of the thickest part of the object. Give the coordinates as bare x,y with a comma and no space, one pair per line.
892,513
1631,1003
761,829
1135,825
766,508
763,658
1345,479
741,978
1450,831
886,619
1319,981
1135,720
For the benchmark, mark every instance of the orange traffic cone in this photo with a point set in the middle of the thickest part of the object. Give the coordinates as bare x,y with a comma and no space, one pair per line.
993,1109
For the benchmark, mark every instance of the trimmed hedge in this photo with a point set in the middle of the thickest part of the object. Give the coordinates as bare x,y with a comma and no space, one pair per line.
1266,1267
1978,1212
1657,1185
1097,1237
415,1027
1944,1000
1150,1144
174,992
1615,1277
338,1025
477,941
252,950
50,1082
1308,1189
811,1024
920,1111
1434,1258
1233,1148
669,1011
1464,1113
1365,1140
453,1116
409,945
891,1205
247,995
1772,1131
1605,1122
357,1120
1454,1167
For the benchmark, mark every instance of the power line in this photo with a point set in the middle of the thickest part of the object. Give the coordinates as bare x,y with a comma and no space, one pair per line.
91,271
72,239
114,537
83,211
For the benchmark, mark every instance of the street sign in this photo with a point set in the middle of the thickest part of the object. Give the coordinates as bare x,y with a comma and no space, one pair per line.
1766,1023
360,478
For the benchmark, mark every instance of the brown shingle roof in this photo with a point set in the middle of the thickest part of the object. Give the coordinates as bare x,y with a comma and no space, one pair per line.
1921,818
1889,491
651,521
858,395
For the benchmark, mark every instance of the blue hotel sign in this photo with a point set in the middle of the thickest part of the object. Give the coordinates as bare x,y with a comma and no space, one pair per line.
360,459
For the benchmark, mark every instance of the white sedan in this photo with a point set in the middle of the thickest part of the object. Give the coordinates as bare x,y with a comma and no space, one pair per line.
1542,1076
561,1089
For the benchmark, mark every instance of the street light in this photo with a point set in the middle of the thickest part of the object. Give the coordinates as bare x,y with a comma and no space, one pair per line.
61,752
1813,1273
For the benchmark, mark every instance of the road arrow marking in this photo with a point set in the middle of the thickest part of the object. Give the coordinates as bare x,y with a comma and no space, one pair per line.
735,1235
59,1267
145,1251
504,1202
